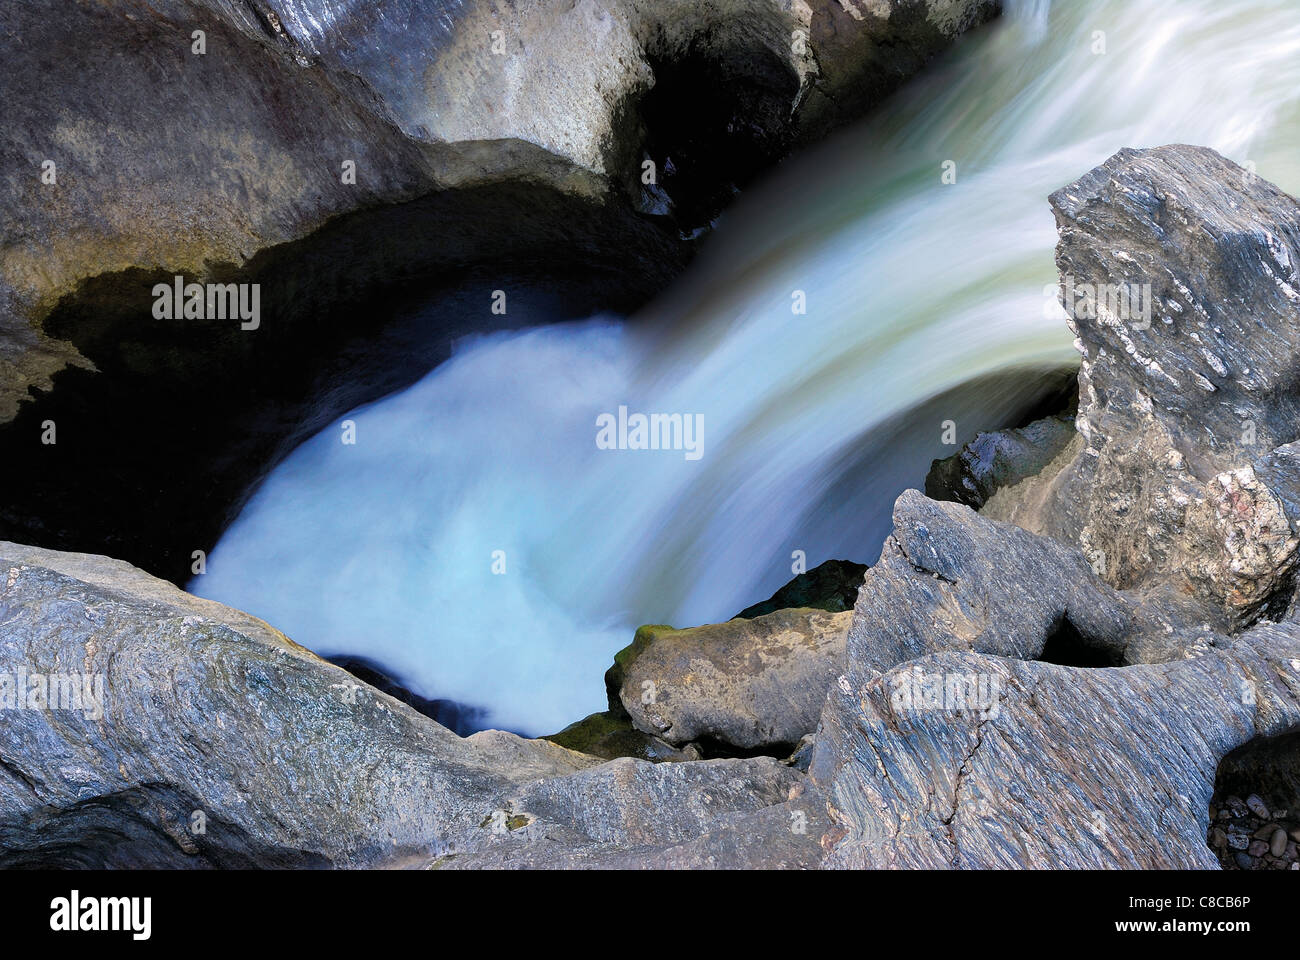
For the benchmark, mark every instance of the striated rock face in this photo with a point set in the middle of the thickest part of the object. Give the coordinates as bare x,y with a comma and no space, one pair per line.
1179,270
1047,766
741,685
202,737
1218,350
944,756
209,739
1178,274
202,711
948,579
713,814
943,744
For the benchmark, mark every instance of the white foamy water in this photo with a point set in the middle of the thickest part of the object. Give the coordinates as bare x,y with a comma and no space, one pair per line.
812,423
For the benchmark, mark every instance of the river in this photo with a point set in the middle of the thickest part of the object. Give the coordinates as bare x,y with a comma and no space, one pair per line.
479,542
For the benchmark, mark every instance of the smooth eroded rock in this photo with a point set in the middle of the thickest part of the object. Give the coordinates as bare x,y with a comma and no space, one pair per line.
741,685
206,738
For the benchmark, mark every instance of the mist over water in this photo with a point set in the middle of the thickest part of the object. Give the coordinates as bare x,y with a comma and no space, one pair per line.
812,424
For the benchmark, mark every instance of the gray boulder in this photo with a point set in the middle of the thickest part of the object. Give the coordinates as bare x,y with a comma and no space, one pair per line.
172,731
998,459
741,685
948,742
184,733
1179,271
950,579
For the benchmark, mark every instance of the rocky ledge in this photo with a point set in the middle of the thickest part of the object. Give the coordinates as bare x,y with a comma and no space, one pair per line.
1099,667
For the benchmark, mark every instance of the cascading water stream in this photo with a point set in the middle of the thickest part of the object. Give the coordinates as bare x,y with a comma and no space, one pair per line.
812,423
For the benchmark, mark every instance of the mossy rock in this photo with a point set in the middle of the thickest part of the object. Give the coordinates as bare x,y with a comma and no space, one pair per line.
611,735
645,635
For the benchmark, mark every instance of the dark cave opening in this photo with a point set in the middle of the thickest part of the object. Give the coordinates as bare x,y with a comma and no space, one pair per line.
712,124
1066,647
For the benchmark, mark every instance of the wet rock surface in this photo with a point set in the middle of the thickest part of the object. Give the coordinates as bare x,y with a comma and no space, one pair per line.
998,459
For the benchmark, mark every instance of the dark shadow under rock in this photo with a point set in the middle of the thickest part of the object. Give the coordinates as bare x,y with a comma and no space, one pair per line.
148,827
831,586
1065,646
459,718
610,735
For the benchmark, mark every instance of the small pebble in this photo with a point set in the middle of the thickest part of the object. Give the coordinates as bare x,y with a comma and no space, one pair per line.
1218,839
1295,834
1238,841
1265,832
1257,806
1257,848
1243,861
1277,846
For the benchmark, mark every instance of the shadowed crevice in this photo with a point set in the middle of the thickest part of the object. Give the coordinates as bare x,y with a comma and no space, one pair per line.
1255,810
1067,647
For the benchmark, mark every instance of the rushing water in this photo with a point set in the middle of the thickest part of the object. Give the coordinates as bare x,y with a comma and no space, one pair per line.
811,424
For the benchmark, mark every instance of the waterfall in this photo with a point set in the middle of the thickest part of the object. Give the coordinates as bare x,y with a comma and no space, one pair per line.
478,542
